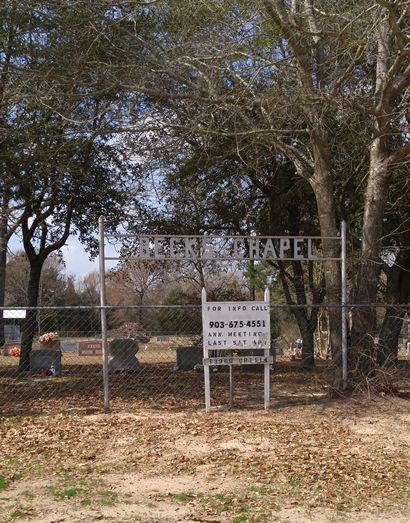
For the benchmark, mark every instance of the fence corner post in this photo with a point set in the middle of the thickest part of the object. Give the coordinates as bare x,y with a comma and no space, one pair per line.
101,252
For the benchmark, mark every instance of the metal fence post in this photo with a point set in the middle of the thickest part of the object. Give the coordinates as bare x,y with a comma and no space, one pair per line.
343,303
266,366
103,314
206,367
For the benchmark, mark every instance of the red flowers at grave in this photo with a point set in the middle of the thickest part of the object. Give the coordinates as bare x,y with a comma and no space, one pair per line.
15,351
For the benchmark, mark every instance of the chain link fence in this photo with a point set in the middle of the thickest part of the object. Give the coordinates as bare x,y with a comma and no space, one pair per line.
154,360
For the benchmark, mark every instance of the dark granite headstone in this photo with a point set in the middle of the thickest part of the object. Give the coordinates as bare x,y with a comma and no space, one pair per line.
188,357
44,359
123,351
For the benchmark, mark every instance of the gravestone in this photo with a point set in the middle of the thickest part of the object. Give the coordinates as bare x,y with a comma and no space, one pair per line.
123,351
188,357
90,348
12,332
44,359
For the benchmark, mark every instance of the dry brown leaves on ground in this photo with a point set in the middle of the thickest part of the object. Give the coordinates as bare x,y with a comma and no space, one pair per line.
284,465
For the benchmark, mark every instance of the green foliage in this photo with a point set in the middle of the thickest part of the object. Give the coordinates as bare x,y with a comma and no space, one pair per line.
184,497
21,513
3,483
108,497
259,274
180,321
66,493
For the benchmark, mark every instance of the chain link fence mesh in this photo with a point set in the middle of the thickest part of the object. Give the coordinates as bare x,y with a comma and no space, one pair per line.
155,360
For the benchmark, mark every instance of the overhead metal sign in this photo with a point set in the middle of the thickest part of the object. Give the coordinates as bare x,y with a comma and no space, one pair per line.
151,247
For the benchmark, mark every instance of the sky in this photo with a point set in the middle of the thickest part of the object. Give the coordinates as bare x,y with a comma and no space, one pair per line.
77,260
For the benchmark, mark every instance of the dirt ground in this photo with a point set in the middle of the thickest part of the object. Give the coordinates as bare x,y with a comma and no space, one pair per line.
320,460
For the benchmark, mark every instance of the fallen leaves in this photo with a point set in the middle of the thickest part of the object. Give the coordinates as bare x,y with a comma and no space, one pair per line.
295,454
303,461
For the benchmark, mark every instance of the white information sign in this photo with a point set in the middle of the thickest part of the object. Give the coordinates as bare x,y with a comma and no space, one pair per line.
236,325
15,314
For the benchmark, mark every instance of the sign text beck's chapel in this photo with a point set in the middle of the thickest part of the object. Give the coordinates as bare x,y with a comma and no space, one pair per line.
226,248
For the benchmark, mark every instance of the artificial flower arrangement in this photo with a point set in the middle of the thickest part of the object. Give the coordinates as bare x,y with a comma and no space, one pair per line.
48,337
15,351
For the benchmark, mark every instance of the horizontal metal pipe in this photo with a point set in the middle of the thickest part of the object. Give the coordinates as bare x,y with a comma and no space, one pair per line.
272,305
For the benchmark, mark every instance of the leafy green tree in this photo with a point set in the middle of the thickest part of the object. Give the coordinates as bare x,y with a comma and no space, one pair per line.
64,168
184,321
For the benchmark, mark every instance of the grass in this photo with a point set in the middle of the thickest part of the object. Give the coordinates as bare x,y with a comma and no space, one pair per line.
108,497
21,513
86,488
19,468
28,494
66,493
3,483
183,497
262,518
238,508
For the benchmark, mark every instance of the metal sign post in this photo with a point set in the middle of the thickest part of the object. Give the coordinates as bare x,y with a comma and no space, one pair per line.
266,367
344,302
236,327
103,314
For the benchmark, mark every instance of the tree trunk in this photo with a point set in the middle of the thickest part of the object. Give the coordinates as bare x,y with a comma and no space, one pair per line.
30,322
398,291
387,347
307,325
364,320
307,328
364,327
308,348
322,184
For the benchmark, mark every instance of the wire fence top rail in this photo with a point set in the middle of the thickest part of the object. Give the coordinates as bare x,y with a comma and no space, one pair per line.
198,306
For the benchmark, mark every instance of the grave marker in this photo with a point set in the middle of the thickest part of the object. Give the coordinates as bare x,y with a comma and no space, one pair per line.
90,348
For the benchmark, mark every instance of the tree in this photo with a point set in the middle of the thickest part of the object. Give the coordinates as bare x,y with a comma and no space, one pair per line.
89,289
11,82
66,169
137,277
285,73
396,271
214,189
